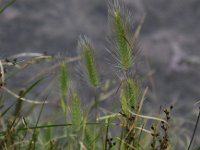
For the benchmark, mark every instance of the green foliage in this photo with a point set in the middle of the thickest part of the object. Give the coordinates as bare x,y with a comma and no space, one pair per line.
124,127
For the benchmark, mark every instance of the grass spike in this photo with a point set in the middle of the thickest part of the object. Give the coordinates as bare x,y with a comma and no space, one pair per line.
89,62
124,51
76,111
64,84
124,104
64,79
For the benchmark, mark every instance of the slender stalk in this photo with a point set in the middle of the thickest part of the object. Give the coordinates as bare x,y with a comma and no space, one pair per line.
107,128
7,5
194,131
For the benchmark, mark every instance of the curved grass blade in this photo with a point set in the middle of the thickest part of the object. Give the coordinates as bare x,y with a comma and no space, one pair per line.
6,5
23,93
7,109
21,98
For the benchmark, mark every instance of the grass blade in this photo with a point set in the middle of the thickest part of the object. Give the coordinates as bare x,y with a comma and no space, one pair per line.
21,98
6,5
194,131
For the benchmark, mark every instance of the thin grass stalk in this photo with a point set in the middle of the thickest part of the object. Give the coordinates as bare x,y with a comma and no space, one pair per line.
35,134
18,105
8,4
194,131
2,74
21,98
106,137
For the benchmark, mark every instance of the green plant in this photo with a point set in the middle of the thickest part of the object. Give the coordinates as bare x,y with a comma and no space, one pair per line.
73,125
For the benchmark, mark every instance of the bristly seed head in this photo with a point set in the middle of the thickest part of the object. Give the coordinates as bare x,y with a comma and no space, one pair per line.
89,61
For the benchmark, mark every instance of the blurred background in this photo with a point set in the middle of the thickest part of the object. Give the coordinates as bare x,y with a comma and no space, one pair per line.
169,42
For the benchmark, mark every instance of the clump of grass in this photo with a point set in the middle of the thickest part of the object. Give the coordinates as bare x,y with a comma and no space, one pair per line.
124,50
124,128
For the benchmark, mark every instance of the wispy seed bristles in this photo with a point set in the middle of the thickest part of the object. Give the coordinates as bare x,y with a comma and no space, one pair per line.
124,51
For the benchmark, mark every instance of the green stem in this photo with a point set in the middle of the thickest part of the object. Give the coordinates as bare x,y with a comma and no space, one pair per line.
7,5
195,128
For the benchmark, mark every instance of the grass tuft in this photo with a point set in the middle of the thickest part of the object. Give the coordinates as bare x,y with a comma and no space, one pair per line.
91,126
